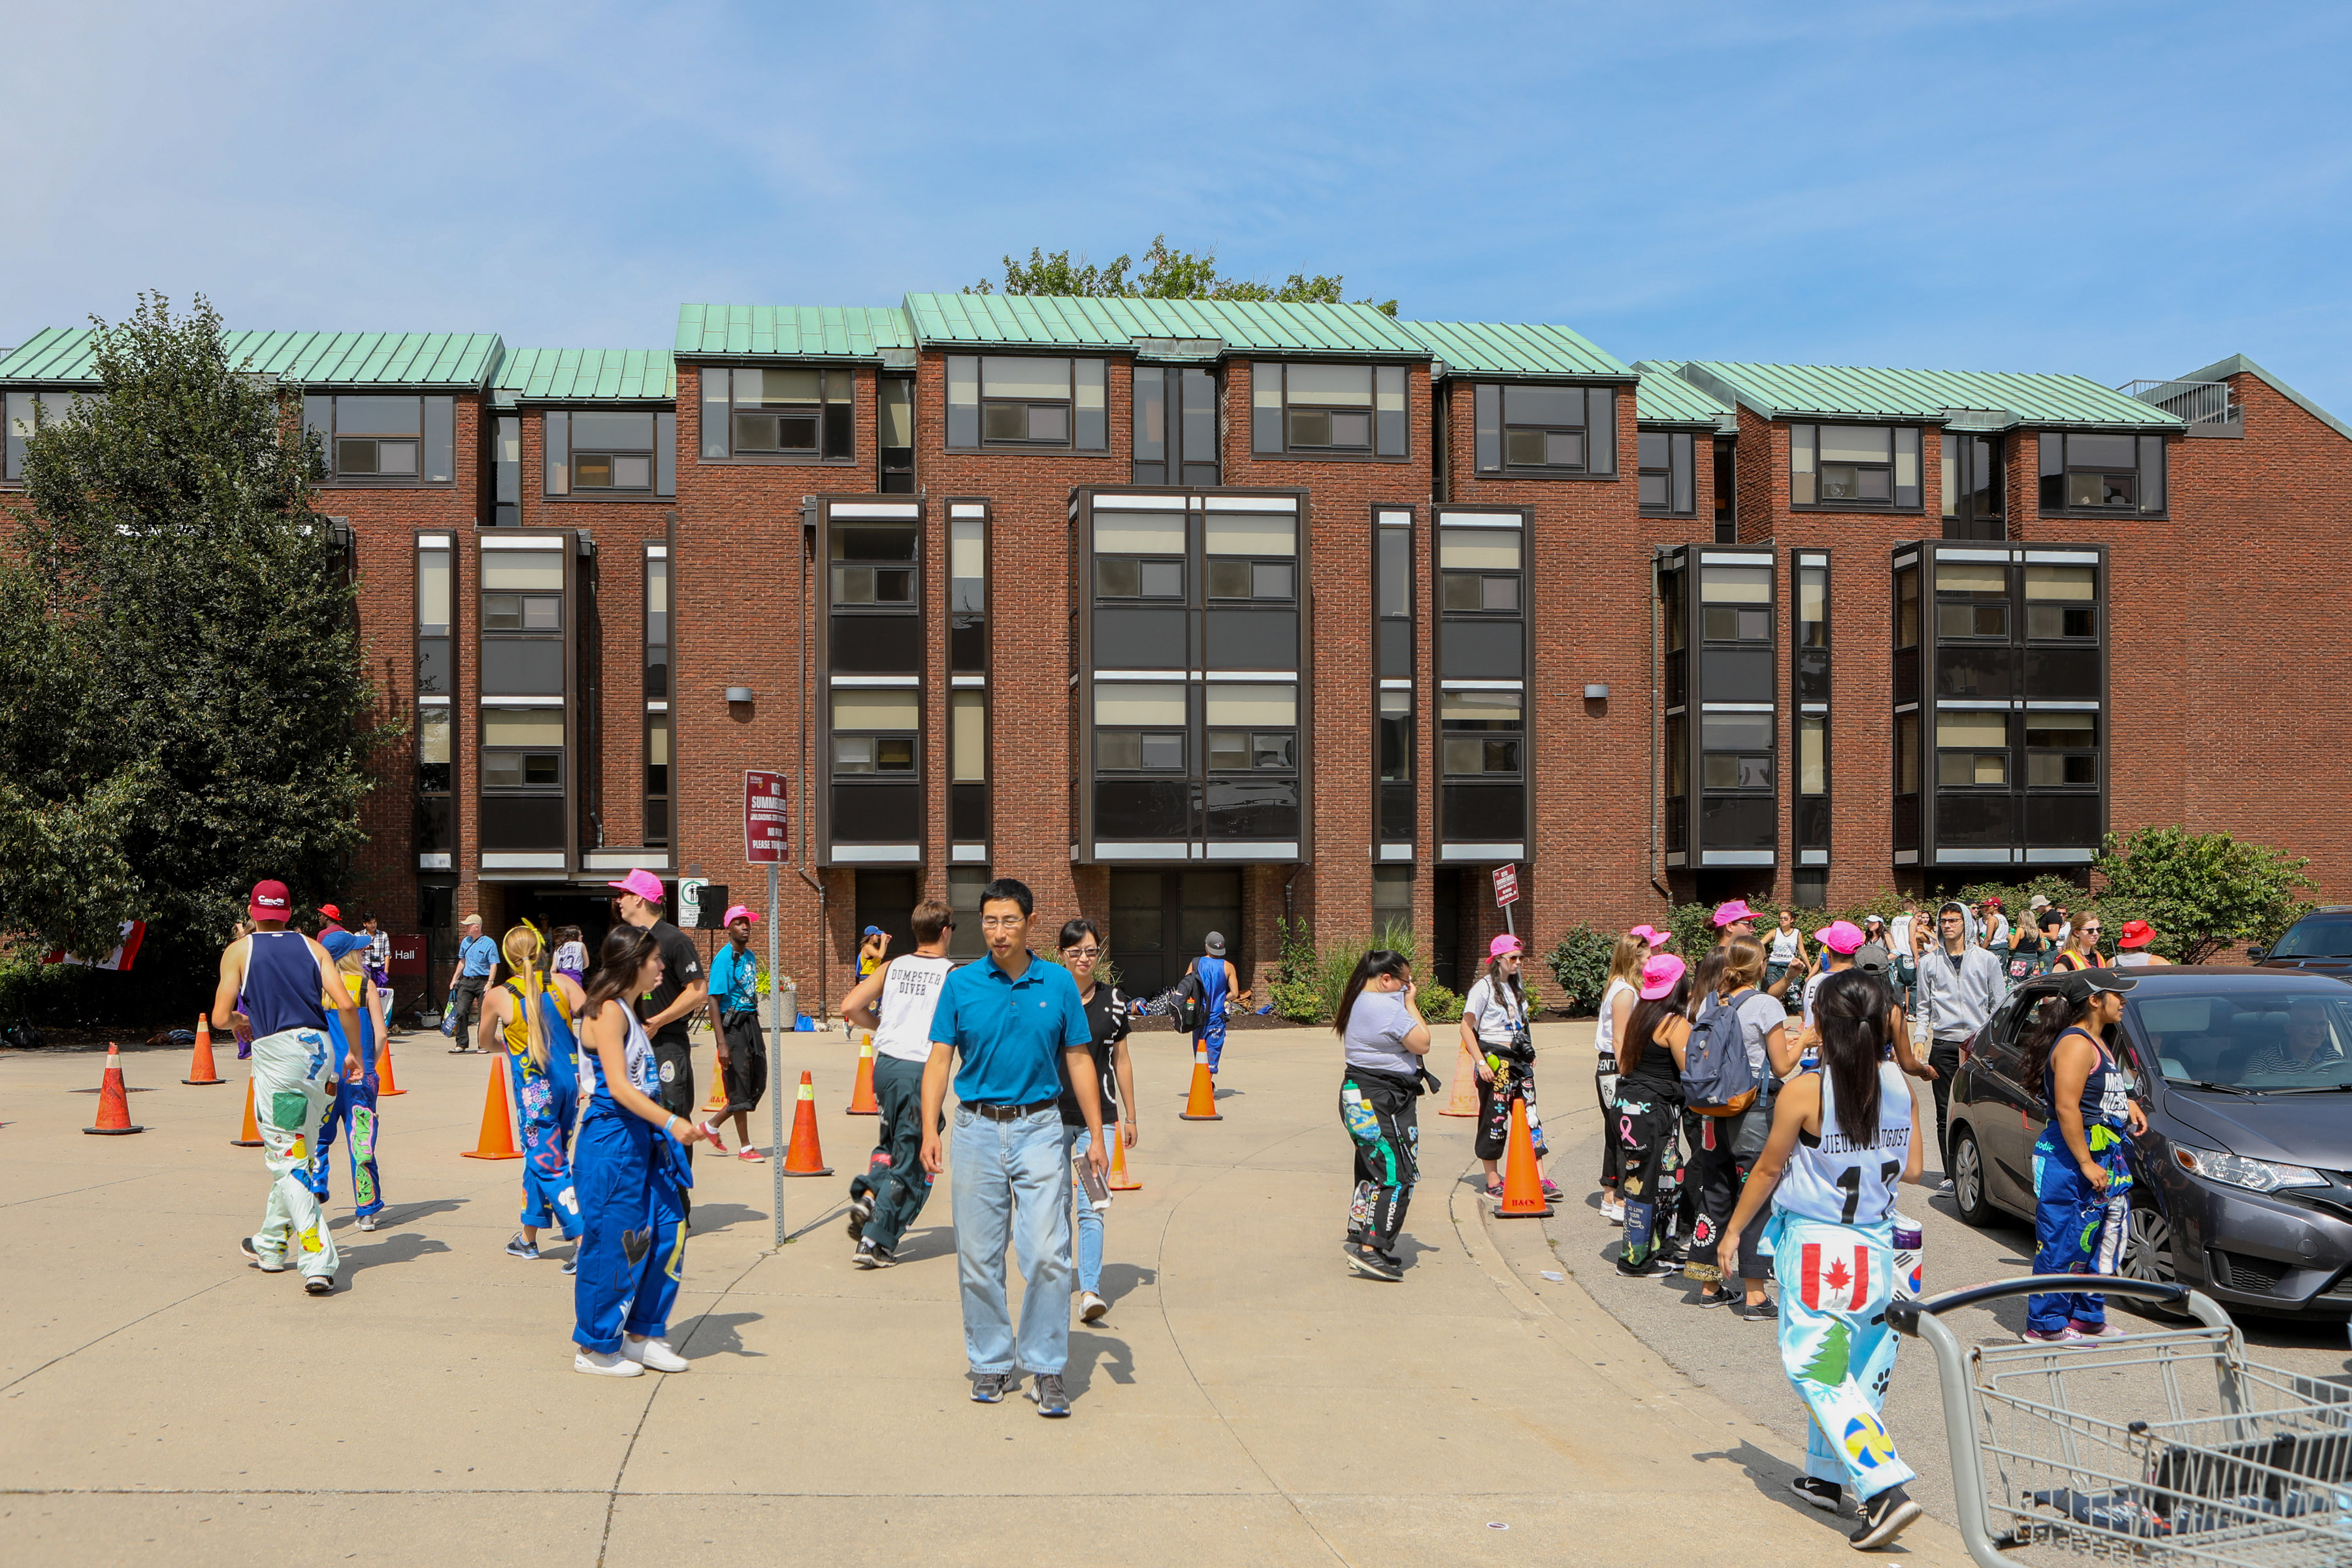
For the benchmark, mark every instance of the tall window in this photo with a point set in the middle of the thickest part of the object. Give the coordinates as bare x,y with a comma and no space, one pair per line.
1547,430
372,440
1175,426
968,669
622,455
1853,466
1392,629
1811,683
1045,403
1727,492
799,415
1973,486
1391,899
524,639
656,620
657,797
895,421
1327,410
435,751
658,732
505,465
2101,473
1669,483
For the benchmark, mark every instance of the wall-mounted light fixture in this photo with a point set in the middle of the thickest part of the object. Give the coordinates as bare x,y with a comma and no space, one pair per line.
1596,692
738,694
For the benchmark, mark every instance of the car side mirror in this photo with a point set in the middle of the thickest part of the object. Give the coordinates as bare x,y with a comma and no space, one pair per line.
2256,954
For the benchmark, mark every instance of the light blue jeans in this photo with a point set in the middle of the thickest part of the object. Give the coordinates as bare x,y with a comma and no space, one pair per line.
1089,1219
1011,1184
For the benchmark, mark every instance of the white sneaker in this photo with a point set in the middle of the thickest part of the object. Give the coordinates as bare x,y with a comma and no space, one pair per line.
367,1221
1612,1210
1945,1186
607,1363
654,1353
1091,1308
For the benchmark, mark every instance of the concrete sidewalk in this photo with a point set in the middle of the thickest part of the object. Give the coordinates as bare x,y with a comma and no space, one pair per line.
1247,1400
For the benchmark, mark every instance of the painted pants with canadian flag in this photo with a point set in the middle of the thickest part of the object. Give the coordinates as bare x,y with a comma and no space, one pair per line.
1837,1346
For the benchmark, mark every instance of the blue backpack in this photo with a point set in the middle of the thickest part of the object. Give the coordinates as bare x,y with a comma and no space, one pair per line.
1717,1078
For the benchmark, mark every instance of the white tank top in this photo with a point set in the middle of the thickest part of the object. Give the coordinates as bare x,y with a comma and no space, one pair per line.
1784,945
1831,1181
1604,1034
910,988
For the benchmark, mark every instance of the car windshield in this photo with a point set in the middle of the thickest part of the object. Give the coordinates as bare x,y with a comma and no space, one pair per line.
2262,1040
2316,936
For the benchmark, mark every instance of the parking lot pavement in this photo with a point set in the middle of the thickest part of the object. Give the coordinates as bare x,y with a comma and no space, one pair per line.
1741,1362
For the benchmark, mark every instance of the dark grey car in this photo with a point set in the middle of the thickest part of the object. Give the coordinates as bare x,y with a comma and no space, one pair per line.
2244,1181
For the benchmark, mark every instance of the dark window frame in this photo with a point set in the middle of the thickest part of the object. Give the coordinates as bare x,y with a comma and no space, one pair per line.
1896,430
1803,566
559,432
894,467
819,457
1281,411
1491,430
981,441
1177,463
659,802
1394,734
429,404
912,604
959,615
2145,447
1963,517
1682,459
447,699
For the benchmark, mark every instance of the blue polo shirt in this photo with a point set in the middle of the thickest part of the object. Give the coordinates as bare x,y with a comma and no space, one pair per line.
475,955
1009,1033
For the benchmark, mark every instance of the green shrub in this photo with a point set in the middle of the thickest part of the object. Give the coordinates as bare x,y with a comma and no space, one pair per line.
1581,964
1309,979
1439,1006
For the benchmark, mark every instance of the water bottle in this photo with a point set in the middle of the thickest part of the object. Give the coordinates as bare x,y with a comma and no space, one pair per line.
1907,1247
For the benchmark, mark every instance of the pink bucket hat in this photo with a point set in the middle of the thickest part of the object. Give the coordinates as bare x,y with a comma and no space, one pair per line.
1732,912
1502,944
1840,936
736,912
1660,976
643,883
1653,935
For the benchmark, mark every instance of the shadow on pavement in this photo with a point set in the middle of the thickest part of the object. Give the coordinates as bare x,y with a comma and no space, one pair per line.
931,1241
1089,1350
1120,1281
401,1249
716,1334
710,1218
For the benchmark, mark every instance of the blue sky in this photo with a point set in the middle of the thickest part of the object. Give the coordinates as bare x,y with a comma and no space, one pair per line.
2118,190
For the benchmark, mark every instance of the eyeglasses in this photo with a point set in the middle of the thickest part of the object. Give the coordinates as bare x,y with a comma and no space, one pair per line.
2094,931
1002,922
1083,952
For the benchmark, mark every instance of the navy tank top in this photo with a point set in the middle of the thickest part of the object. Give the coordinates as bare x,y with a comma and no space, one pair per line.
281,984
2105,1099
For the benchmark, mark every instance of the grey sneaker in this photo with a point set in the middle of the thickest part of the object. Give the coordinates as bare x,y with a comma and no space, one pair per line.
260,1259
988,1387
871,1255
1368,1262
518,1247
861,1209
367,1221
1045,1388
320,1284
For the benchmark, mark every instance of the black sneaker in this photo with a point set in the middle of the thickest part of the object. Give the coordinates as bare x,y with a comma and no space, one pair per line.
870,1255
1821,1494
988,1387
1712,1298
1650,1268
1756,1311
518,1247
266,1265
1368,1263
1883,1518
861,1209
1045,1388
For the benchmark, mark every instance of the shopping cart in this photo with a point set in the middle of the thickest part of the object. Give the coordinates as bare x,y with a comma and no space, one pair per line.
2163,1447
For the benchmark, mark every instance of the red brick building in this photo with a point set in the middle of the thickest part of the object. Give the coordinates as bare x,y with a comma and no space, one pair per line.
1202,616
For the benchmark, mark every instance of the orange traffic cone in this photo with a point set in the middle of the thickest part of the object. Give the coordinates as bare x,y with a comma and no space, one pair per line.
497,1141
251,1136
1201,1105
1120,1181
861,1096
200,1066
804,1158
1465,1086
113,1105
384,1087
1523,1196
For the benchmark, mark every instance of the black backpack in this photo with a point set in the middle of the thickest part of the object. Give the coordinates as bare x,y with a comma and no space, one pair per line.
1183,1002
1717,1078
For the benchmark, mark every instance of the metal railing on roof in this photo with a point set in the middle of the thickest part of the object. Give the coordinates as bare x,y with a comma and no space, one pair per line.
2193,402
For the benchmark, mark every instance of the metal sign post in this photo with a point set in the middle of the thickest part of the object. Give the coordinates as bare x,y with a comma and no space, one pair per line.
767,837
1506,893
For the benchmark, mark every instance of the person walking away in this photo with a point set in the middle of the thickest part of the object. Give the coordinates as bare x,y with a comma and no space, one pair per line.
741,1044
1220,989
477,956
1007,1015
896,1002
572,956
1784,952
1998,939
1839,941
1616,1005
630,1174
1383,1039
1842,1138
2025,950
2081,949
1642,1122
1726,1142
1959,987
532,1013
2135,946
677,998
353,1108
276,989
1106,1016
1503,1050
2082,1166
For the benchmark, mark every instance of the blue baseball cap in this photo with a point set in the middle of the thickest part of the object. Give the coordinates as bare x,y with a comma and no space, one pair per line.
872,930
339,943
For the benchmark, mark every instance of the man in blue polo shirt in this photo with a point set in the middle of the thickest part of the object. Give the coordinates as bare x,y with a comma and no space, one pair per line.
1006,1016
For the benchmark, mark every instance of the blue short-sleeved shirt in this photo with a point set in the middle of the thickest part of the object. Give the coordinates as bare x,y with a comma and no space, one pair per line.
1009,1033
735,981
475,955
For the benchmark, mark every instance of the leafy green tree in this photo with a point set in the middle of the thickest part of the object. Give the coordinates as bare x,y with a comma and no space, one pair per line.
2203,892
1580,961
1166,274
189,706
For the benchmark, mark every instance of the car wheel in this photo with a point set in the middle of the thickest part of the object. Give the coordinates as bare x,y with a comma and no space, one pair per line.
2148,1255
1968,1178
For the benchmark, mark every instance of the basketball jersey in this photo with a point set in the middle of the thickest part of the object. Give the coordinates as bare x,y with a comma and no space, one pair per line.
2106,1099
1831,1180
281,984
636,1060
910,989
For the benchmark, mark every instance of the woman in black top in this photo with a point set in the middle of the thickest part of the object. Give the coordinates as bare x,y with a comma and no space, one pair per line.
1648,1111
1106,1017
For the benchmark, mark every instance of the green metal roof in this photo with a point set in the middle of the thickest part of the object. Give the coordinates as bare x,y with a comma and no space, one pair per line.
2239,365
585,375
1248,326
801,331
458,360
1666,398
1795,391
1515,349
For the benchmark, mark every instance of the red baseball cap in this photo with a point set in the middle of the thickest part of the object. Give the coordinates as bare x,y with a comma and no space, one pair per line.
270,901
